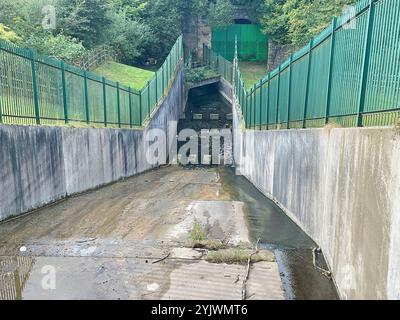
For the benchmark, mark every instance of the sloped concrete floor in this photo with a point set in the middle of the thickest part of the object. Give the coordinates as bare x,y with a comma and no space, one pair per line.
106,244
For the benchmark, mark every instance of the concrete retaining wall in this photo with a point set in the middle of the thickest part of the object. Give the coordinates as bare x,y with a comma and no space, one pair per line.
39,165
342,186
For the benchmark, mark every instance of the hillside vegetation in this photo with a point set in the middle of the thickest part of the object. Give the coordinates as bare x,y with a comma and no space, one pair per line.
126,75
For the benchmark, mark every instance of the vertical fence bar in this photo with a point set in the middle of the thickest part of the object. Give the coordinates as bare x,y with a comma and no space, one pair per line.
1,111
148,99
289,91
365,63
140,107
64,90
255,107
118,106
261,93
251,107
104,101
330,68
268,95
34,86
130,107
310,45
245,109
277,97
86,96
170,67
163,79
156,84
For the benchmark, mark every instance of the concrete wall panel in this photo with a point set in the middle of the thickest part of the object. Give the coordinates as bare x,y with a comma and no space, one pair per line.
39,164
342,186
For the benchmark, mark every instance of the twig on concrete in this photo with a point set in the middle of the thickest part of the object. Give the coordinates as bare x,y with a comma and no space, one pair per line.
162,259
86,240
248,270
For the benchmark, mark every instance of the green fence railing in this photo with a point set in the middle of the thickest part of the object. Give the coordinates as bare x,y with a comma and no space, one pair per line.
252,44
35,89
218,63
349,75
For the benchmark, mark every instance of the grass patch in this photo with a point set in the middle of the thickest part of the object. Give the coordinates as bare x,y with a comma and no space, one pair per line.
232,256
126,75
198,233
198,238
208,244
252,72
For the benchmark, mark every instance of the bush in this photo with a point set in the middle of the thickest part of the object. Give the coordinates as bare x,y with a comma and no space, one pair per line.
127,37
194,75
60,47
7,34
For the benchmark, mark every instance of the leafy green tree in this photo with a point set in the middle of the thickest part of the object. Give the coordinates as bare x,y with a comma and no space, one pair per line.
86,20
60,47
127,37
297,21
220,13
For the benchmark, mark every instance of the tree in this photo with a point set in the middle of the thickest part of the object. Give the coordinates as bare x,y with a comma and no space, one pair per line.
295,22
86,20
220,13
127,37
59,47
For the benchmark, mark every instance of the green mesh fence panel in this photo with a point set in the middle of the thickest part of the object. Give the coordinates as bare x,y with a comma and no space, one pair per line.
348,74
383,77
36,89
252,44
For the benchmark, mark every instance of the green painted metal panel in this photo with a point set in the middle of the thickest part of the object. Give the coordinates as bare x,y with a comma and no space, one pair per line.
38,89
298,92
348,74
252,43
383,78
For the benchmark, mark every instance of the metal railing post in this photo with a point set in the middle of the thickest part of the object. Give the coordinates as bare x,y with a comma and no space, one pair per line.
155,86
255,106
34,86
104,101
148,99
261,93
163,79
130,107
289,91
86,96
310,45
140,107
118,106
365,63
64,90
277,97
330,68
268,95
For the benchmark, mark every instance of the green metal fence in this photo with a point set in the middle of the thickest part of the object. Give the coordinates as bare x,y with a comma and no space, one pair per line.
36,89
252,45
218,63
349,75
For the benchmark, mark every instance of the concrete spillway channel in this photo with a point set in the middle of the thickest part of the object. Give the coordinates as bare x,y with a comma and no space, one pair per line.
135,239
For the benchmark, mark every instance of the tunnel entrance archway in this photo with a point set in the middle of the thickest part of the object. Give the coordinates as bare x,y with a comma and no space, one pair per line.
242,21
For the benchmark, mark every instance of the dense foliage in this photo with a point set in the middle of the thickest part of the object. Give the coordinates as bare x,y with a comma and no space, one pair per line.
141,29
296,21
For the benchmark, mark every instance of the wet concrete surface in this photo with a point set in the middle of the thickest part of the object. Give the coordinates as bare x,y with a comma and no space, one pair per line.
131,240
